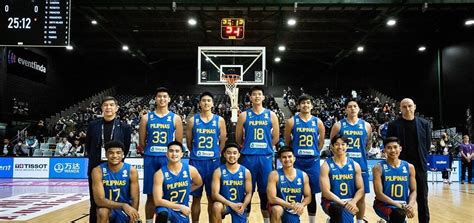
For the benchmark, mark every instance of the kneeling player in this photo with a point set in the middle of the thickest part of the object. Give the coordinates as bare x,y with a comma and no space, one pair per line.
392,179
172,185
115,187
231,187
341,183
286,188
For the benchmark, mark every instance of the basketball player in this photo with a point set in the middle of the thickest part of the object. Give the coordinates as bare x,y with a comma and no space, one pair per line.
305,133
172,185
358,133
231,187
258,131
341,183
206,133
288,190
394,185
115,187
157,129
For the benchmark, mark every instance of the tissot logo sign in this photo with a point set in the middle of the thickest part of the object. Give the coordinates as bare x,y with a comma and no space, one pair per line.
31,168
26,64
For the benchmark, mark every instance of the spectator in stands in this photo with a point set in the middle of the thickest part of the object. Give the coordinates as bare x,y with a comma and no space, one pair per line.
20,149
7,147
445,147
415,137
71,137
63,147
82,137
386,108
354,94
374,152
32,143
99,132
467,157
39,131
76,149
383,128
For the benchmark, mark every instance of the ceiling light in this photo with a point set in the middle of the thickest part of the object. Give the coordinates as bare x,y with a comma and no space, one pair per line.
391,22
277,59
291,22
281,48
469,22
421,48
69,48
125,48
192,22
94,22
360,49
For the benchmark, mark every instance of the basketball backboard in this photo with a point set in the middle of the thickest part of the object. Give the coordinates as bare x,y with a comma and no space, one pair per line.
215,61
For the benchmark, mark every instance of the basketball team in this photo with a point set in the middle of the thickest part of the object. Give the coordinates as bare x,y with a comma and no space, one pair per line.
248,165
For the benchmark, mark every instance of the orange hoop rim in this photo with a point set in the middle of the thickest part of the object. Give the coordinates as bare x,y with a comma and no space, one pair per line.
231,79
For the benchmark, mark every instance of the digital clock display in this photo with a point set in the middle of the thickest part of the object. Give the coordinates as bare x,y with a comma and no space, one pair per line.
232,28
35,23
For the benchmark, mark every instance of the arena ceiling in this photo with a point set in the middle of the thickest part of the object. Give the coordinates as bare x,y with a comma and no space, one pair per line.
327,31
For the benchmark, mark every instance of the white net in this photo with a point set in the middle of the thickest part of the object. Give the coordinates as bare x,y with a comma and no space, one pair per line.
233,92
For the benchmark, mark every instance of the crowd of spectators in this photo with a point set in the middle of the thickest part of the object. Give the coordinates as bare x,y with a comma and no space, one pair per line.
68,134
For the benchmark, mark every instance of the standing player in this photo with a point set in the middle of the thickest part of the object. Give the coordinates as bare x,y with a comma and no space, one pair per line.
157,129
231,187
206,133
172,185
288,190
341,183
394,185
258,131
115,187
358,133
305,133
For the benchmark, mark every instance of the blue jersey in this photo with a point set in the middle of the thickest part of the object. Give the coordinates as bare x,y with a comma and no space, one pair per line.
160,132
342,179
205,138
396,181
177,188
258,133
290,191
305,137
357,136
233,184
116,184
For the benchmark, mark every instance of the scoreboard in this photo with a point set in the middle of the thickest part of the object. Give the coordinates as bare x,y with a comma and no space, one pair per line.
232,28
35,23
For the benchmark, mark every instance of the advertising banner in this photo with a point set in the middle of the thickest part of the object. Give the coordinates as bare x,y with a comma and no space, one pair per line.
31,168
68,168
6,167
137,163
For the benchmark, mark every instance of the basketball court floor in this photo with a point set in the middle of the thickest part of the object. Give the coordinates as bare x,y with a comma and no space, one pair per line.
67,201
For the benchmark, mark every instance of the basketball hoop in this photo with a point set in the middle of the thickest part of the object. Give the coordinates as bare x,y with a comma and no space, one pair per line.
233,92
231,80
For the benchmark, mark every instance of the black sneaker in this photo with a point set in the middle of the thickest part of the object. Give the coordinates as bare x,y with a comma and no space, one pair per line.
462,181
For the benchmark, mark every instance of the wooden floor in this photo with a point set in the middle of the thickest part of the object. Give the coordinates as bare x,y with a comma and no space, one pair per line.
454,203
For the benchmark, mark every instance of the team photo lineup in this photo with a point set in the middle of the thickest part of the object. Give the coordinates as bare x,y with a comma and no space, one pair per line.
237,111
284,192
